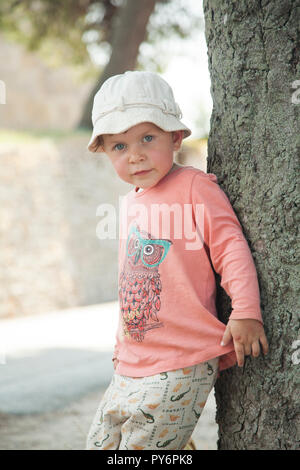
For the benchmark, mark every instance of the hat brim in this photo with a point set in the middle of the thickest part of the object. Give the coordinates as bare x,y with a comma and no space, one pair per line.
117,122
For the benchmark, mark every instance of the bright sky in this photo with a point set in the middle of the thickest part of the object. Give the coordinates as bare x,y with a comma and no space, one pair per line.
190,81
188,75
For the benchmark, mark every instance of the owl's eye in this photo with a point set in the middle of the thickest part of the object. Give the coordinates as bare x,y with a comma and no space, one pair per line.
148,249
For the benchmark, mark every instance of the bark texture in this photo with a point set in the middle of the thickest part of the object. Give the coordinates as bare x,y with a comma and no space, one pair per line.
129,30
253,148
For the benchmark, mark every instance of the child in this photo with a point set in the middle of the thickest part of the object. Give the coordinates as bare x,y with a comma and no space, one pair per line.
178,223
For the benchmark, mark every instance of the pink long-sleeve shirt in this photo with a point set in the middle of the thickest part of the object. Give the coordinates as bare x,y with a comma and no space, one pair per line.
170,236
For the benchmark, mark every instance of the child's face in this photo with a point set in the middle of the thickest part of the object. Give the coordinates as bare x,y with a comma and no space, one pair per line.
143,148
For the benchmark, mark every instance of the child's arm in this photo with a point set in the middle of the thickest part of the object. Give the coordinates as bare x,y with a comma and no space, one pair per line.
247,335
232,259
115,360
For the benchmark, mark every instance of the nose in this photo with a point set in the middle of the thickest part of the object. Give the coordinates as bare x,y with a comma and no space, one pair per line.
136,154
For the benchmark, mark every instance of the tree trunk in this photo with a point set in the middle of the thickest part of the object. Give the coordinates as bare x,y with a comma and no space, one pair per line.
129,30
253,50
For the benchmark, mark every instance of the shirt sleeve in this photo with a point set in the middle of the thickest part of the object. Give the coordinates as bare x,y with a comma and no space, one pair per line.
229,251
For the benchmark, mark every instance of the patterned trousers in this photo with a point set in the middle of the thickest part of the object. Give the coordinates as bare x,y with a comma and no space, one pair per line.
154,412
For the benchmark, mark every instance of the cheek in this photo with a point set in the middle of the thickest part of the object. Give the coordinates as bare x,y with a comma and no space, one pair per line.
163,160
117,164
121,169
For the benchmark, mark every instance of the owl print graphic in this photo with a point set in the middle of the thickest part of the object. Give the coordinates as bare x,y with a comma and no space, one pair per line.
139,283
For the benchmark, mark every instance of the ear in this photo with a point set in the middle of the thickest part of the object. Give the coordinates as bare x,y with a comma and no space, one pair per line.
177,137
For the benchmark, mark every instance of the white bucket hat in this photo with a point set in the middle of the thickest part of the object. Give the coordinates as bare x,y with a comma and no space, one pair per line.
131,98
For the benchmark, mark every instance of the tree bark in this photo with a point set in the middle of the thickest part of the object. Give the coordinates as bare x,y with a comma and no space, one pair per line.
129,30
253,50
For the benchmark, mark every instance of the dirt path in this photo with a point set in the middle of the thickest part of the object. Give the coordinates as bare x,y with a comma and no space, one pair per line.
66,429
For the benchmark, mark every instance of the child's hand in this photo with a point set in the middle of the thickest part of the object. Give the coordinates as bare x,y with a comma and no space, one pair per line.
246,335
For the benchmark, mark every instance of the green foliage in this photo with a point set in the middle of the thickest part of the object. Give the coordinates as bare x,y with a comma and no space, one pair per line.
66,31
54,28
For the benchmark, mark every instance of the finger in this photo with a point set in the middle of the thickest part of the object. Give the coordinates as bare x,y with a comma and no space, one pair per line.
255,349
226,336
247,349
239,350
264,342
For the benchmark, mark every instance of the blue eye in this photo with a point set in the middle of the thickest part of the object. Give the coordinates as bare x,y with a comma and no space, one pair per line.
148,138
119,147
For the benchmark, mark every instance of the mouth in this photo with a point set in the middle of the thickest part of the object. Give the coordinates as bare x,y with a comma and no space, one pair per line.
143,172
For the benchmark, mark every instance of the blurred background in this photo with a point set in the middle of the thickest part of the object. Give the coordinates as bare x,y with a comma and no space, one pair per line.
58,290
